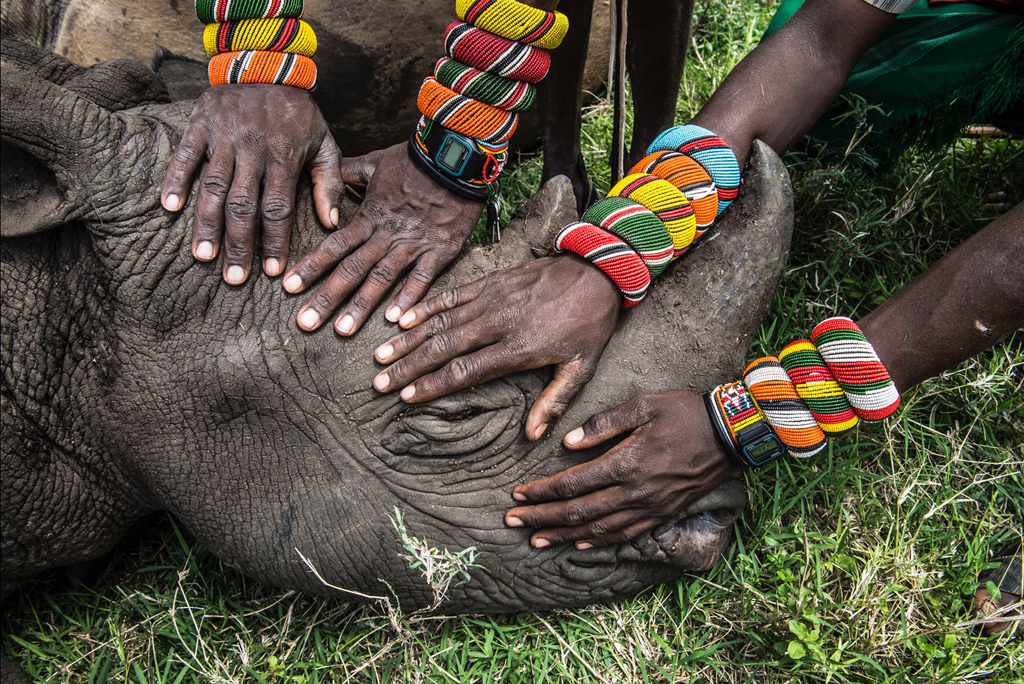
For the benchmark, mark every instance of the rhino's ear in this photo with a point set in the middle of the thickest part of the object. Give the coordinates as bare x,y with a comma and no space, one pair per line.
55,144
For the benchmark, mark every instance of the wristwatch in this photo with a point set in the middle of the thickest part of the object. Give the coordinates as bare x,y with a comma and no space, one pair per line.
455,161
741,427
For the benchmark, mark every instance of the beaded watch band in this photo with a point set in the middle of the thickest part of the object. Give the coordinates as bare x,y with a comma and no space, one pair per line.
457,162
754,442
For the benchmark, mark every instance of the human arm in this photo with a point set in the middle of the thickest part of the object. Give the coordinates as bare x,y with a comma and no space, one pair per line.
958,307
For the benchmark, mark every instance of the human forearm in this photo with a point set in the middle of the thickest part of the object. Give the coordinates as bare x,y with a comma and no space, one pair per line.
960,306
784,85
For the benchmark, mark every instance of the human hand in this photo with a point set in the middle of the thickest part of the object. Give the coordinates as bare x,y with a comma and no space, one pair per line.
252,135
670,459
555,310
406,219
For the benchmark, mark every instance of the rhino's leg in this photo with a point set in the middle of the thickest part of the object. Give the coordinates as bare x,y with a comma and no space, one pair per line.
560,96
658,31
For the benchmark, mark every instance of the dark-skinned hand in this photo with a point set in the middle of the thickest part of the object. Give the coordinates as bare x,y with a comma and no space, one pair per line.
406,220
253,136
555,310
670,459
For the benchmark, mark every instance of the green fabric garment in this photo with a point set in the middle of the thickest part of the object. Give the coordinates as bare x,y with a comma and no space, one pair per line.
933,72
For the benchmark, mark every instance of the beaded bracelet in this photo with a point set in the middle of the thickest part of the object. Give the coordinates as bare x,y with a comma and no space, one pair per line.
212,11
495,55
257,66
638,226
690,178
503,93
667,203
465,115
258,41
748,437
709,151
611,255
273,35
515,21
798,394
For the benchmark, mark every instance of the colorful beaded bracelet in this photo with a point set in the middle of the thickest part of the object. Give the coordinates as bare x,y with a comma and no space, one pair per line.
856,367
690,178
638,226
273,35
515,21
257,66
212,11
465,115
667,203
611,255
747,436
503,93
774,392
818,388
494,54
710,151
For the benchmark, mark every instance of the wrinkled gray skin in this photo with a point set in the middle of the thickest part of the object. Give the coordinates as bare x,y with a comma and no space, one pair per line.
371,59
135,380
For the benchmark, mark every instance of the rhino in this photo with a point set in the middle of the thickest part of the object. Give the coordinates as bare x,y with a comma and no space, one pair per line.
377,54
135,380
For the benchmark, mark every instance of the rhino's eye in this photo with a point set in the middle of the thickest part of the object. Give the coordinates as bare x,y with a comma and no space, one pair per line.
459,424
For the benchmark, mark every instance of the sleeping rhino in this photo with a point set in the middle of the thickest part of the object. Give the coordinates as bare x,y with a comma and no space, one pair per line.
135,380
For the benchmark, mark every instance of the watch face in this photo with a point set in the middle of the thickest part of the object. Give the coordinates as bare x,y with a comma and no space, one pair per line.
766,449
453,155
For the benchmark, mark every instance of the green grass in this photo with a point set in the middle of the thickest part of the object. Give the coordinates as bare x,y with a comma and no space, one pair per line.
864,558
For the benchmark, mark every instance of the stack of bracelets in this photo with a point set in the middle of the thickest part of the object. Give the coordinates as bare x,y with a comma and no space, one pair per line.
471,105
668,200
813,390
258,41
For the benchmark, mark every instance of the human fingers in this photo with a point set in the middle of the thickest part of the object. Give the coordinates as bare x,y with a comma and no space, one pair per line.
570,377
621,536
328,254
345,278
601,427
328,185
182,168
377,283
208,223
240,215
357,171
420,278
277,209
448,319
437,349
619,524
446,300
458,374
609,469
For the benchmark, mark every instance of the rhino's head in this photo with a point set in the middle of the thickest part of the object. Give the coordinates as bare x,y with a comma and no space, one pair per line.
206,400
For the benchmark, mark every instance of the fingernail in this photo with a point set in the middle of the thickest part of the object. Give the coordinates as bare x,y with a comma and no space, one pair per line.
518,497
540,431
292,283
309,319
346,324
513,521
172,203
381,382
574,436
407,319
583,546
334,217
408,392
272,267
204,251
385,351
235,275
541,543
393,314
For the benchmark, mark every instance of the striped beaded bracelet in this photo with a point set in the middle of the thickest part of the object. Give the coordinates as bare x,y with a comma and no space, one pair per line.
610,254
798,393
689,178
257,66
212,11
465,115
515,21
667,203
495,55
709,151
638,226
503,93
273,35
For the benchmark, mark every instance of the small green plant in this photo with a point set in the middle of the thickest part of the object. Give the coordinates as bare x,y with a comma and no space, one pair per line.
440,567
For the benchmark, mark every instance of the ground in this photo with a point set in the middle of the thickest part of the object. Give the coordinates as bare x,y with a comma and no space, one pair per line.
857,565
